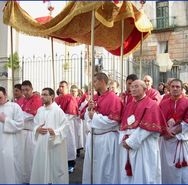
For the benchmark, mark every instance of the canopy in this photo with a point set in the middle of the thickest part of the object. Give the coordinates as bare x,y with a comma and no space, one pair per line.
73,24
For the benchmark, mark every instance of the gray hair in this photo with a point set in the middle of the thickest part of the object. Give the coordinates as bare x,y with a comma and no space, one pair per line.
142,83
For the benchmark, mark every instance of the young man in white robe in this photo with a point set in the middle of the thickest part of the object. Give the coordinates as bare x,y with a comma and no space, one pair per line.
29,105
103,114
78,125
11,124
50,155
174,148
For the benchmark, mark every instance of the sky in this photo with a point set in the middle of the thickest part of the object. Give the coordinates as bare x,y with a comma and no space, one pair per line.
40,46
38,8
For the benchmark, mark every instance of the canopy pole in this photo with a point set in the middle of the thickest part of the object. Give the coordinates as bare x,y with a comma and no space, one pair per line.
122,49
53,66
141,55
12,62
88,64
92,51
92,88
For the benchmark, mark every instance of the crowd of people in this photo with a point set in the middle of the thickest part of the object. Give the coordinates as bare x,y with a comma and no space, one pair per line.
139,136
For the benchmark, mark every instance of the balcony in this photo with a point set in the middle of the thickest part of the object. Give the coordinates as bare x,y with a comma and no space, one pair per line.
164,23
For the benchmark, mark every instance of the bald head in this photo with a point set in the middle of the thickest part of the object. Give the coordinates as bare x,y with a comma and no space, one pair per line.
148,81
138,88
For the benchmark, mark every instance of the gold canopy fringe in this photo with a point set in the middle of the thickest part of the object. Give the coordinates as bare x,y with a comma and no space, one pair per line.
74,22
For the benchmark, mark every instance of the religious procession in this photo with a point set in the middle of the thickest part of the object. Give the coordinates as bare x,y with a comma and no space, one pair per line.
129,129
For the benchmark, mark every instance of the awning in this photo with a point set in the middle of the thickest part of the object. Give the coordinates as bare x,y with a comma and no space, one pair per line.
164,62
73,24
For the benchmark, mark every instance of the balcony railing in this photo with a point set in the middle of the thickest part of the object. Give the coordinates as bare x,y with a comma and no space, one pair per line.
161,23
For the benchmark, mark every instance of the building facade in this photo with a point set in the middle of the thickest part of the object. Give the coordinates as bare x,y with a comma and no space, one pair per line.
169,39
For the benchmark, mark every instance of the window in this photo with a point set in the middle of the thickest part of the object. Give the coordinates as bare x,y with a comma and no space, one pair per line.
163,47
162,14
175,71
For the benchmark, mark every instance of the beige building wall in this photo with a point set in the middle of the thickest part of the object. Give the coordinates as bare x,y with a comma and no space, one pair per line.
176,36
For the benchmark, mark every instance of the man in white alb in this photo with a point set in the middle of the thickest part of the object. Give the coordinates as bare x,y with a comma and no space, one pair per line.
50,155
11,124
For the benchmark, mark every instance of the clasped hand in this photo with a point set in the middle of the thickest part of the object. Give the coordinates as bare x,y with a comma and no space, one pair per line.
91,104
91,107
125,145
172,131
43,131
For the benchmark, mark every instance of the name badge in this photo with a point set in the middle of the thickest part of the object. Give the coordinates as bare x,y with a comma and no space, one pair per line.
131,120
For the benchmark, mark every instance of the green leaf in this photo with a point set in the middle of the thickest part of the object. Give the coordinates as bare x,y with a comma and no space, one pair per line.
16,62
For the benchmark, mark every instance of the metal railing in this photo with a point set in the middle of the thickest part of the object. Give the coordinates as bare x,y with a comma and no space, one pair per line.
75,69
164,23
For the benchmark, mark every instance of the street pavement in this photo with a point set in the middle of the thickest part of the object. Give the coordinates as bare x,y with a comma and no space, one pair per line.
76,176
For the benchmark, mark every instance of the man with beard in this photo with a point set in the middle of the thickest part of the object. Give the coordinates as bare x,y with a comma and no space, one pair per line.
50,156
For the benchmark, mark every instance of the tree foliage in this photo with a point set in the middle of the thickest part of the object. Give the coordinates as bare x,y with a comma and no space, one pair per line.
16,63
